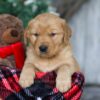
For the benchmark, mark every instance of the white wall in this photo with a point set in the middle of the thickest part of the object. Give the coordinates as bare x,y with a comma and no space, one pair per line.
86,39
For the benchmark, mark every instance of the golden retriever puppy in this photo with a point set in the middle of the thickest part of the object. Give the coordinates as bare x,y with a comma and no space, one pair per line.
49,49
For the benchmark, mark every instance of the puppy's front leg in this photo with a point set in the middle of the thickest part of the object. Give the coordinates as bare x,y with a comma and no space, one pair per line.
63,80
27,75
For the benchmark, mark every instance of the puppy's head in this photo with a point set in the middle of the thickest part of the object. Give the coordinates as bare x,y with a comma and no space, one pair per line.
48,34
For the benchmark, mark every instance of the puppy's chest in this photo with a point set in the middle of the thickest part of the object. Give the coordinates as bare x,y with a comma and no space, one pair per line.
47,65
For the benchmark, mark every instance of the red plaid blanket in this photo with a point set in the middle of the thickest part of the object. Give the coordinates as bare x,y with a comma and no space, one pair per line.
42,89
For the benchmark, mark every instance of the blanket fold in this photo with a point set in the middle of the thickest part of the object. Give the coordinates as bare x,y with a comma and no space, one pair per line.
42,89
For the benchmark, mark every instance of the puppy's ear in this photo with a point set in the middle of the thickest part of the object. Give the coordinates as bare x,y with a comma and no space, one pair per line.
67,31
27,32
26,36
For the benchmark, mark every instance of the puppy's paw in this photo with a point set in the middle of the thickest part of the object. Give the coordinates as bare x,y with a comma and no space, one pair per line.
26,82
63,85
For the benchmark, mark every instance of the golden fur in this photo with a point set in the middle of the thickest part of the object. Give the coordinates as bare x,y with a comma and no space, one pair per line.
54,32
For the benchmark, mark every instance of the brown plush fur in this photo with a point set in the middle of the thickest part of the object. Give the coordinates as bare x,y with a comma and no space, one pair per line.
9,23
54,32
11,29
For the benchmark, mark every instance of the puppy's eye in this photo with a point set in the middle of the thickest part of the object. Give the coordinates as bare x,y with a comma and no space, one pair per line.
52,34
36,34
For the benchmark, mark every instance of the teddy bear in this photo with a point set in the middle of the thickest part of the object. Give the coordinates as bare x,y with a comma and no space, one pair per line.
11,29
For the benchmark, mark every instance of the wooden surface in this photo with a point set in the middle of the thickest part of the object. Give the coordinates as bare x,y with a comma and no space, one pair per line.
91,93
86,39
67,8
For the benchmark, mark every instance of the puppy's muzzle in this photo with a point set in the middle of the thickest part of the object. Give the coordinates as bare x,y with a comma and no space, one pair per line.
43,49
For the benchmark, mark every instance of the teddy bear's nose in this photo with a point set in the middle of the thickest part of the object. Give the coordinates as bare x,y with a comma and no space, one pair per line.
14,33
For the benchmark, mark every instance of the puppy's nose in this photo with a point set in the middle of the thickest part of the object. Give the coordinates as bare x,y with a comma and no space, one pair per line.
14,33
43,48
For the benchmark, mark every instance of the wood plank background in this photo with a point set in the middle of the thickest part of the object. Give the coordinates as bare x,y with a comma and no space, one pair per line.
86,39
